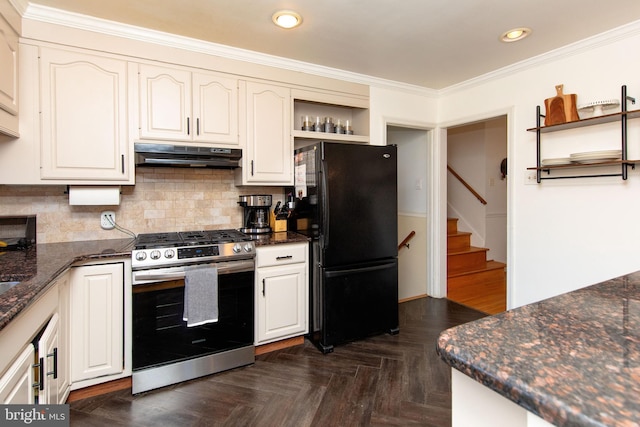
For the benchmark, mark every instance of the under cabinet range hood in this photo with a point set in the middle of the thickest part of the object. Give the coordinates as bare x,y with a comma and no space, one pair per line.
186,157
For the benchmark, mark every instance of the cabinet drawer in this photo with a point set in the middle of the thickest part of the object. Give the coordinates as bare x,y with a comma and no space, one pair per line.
281,254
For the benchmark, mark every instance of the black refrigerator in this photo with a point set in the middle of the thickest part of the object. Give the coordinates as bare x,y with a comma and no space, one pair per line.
345,199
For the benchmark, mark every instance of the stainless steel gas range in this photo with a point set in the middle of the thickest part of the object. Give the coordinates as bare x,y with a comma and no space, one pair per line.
169,270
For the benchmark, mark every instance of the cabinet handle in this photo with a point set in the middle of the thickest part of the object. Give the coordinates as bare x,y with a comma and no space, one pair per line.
122,162
251,167
281,258
55,363
263,293
198,126
188,126
39,384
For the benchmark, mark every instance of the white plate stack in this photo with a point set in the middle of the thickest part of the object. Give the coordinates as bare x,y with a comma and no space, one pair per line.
588,157
556,162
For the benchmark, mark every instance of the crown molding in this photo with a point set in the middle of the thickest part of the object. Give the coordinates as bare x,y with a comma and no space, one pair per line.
83,22
602,39
73,20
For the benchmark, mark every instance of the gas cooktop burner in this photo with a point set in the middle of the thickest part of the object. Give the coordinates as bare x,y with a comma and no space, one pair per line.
189,247
189,238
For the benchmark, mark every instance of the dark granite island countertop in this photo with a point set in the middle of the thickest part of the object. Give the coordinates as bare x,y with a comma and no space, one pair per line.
573,360
38,267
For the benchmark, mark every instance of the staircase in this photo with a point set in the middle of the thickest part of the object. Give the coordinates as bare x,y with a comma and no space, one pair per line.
472,280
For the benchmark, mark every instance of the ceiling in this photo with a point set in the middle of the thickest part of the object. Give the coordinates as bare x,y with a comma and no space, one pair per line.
429,43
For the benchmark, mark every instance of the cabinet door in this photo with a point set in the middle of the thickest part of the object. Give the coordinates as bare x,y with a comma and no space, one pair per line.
8,79
281,295
96,322
48,349
16,384
215,109
63,380
269,144
165,103
84,116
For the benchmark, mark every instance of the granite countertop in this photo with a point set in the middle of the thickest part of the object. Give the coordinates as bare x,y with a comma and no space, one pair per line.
573,360
38,267
278,238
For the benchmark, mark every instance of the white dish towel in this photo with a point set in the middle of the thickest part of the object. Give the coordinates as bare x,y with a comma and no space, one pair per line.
200,295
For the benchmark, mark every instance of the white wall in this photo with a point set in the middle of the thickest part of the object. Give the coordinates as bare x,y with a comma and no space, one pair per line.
475,151
564,234
412,209
465,154
418,109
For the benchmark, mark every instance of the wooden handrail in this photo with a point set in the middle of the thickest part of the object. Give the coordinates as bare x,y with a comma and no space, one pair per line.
466,184
405,242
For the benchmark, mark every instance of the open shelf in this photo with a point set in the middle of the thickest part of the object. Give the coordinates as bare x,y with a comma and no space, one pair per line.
622,163
327,136
591,121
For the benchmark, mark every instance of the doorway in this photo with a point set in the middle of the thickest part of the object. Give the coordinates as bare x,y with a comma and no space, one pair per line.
413,191
477,198
475,152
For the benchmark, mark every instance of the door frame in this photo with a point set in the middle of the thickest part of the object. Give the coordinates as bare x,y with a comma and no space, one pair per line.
508,112
436,264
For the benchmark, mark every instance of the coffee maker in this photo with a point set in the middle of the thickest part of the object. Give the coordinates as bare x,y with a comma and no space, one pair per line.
256,213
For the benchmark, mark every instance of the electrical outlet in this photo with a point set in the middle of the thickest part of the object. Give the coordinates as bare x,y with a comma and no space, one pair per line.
108,220
530,177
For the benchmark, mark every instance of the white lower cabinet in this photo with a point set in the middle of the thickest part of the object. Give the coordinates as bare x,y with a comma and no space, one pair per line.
96,322
33,346
282,292
16,384
48,350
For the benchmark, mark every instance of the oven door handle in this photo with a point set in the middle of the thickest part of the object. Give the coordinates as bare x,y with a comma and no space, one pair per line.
178,273
157,277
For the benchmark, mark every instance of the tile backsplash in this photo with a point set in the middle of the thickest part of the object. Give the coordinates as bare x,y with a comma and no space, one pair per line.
163,199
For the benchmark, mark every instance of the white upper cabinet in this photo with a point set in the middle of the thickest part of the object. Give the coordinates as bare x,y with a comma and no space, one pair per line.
84,117
215,108
8,78
269,153
180,105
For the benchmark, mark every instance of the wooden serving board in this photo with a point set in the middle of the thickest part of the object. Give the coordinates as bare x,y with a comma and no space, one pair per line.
561,108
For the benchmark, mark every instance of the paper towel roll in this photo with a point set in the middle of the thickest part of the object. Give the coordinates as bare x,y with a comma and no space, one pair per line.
85,196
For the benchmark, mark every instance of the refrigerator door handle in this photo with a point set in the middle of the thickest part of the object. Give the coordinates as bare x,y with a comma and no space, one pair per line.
360,270
325,207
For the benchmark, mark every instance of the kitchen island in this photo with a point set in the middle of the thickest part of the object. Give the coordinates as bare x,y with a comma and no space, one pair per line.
571,360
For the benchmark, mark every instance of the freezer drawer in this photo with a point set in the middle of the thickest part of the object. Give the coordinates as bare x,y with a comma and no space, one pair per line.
355,302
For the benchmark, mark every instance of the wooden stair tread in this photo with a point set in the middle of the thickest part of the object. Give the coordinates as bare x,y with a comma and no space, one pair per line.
473,280
459,233
470,249
490,265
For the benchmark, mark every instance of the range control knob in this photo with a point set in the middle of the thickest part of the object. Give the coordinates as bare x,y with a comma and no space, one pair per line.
237,248
141,256
169,253
155,254
248,247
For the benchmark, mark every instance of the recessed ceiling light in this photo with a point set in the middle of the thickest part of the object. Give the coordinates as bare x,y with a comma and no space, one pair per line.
286,19
515,34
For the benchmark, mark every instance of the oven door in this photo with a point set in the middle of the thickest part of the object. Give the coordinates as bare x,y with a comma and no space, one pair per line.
161,336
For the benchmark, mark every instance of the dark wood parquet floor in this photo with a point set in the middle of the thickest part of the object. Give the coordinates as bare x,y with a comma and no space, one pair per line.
380,381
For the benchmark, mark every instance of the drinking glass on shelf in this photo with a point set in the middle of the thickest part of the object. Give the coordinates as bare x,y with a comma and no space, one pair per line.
307,124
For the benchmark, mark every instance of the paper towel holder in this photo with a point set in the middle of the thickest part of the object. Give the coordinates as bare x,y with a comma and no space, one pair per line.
93,195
